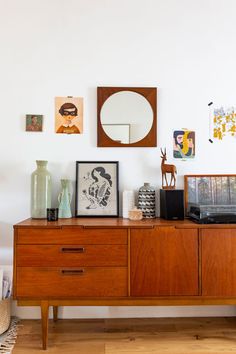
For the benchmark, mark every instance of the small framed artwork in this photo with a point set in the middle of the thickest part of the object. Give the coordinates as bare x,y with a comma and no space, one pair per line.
183,144
69,115
223,119
34,123
97,192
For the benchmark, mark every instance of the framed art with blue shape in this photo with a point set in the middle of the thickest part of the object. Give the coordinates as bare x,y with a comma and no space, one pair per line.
97,189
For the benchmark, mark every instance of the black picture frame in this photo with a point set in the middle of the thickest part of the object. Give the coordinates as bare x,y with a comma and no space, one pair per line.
97,189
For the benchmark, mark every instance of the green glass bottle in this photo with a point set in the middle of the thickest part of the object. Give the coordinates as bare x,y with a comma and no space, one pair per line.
41,191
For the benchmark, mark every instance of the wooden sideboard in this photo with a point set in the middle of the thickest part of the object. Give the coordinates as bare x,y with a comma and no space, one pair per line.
118,262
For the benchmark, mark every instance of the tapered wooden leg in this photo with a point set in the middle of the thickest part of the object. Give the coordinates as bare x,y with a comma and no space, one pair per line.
44,319
55,313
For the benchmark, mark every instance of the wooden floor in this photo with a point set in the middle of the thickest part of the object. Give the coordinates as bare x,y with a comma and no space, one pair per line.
130,336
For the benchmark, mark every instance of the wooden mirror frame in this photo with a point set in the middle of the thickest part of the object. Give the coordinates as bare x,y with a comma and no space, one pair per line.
150,93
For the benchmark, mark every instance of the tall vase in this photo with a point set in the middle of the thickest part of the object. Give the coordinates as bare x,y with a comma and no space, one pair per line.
41,191
64,199
147,201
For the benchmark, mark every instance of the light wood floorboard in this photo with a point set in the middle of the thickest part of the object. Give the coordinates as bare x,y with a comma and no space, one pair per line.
131,336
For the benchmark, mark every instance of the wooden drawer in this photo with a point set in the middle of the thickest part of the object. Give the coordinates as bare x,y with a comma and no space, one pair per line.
68,283
72,236
71,256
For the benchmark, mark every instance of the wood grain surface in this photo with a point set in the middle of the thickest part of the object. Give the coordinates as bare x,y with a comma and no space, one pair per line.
131,336
68,282
72,255
164,262
219,262
117,223
72,236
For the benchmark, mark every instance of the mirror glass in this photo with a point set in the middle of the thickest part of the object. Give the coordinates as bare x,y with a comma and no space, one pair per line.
126,117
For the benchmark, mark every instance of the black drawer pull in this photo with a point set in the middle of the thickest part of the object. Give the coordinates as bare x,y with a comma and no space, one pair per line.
73,249
72,271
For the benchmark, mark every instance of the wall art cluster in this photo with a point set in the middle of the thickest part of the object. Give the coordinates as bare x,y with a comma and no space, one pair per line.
68,117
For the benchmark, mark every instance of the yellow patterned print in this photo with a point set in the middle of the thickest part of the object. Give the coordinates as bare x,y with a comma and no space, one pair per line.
224,122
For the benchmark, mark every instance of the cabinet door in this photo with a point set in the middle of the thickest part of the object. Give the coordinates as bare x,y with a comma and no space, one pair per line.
219,262
164,261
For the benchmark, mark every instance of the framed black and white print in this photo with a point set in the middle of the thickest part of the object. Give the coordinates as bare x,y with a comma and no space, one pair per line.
97,192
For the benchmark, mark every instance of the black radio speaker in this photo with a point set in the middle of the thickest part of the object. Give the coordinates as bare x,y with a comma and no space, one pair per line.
172,204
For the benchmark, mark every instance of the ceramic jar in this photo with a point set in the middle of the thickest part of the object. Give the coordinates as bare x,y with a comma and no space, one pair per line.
147,201
41,191
135,214
64,199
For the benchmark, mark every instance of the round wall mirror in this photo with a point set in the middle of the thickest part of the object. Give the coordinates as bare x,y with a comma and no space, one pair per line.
127,116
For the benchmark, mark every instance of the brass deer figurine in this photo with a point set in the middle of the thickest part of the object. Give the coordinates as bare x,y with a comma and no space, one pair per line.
165,168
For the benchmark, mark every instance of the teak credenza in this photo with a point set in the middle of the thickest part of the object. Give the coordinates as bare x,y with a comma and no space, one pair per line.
118,262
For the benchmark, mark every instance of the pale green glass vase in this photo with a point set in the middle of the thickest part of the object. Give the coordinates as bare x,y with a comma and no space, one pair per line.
64,199
41,191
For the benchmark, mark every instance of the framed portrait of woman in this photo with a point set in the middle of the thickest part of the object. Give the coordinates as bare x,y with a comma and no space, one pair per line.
97,191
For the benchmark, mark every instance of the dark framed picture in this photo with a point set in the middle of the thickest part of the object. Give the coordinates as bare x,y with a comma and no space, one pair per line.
97,191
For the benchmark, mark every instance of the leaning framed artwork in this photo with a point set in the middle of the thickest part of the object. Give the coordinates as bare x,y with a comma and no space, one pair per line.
209,190
97,191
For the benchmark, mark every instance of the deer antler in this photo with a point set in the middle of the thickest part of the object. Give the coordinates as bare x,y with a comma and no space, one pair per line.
163,153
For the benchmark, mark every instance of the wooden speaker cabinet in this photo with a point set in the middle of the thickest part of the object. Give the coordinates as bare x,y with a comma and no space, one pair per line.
117,262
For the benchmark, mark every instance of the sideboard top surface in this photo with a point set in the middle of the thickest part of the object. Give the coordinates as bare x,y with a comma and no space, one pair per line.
116,222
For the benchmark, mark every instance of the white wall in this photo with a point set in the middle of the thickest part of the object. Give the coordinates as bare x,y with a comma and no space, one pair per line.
186,48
